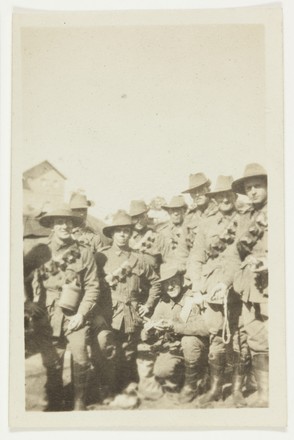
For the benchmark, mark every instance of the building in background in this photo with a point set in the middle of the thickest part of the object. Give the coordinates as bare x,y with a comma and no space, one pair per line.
43,188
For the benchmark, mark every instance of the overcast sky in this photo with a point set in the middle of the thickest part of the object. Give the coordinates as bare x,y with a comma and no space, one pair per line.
129,112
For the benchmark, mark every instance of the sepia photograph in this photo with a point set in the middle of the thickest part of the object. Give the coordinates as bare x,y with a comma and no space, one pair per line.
147,219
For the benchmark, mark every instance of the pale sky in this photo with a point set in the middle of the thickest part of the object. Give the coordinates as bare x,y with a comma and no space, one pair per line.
129,112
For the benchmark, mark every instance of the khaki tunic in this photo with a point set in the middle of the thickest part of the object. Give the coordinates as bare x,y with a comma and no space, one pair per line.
124,294
190,230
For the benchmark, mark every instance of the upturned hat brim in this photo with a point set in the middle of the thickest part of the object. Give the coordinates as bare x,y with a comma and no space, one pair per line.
208,182
238,185
48,219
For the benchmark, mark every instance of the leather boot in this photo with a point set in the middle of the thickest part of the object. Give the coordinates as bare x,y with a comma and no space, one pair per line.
54,388
238,380
80,377
217,367
260,364
189,390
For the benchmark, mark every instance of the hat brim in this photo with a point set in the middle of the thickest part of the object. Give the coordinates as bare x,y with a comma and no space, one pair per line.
138,213
208,182
108,230
48,220
212,193
168,277
166,207
238,185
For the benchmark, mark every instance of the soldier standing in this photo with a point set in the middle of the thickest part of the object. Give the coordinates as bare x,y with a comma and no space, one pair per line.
67,288
249,270
202,207
143,237
122,271
86,233
169,234
206,268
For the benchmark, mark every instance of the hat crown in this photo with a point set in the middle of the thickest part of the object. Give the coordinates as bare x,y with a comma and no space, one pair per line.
254,169
167,271
79,201
196,180
176,202
137,207
223,183
121,218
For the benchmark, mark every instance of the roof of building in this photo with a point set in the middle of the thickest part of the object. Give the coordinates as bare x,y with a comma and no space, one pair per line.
40,169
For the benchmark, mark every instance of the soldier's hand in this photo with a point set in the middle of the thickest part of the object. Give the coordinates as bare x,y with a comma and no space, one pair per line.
163,324
143,310
34,310
198,299
75,322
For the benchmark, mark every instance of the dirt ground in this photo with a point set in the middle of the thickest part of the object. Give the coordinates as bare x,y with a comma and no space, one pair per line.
36,400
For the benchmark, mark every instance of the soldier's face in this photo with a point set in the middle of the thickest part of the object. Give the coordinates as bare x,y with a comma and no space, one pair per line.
62,228
173,286
140,221
177,215
256,190
121,236
81,212
199,196
225,201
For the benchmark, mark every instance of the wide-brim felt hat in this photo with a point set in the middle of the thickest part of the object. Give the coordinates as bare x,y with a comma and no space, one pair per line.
223,184
121,218
137,207
251,170
65,212
176,202
79,201
167,271
195,181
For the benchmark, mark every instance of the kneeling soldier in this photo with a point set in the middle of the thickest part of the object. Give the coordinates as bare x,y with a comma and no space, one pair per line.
178,336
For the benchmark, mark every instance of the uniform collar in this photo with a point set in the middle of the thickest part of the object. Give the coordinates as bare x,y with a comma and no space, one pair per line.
121,251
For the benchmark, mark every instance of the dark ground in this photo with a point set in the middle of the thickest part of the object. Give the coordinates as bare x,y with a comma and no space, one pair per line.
36,401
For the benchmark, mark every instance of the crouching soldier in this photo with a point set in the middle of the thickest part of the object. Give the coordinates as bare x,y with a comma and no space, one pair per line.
67,288
178,341
122,271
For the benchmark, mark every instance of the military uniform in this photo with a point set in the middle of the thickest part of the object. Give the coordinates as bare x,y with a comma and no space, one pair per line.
122,271
169,236
71,270
250,275
183,345
206,267
190,230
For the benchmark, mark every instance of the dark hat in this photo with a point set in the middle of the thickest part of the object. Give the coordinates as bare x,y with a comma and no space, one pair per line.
137,207
223,184
196,180
251,170
167,271
64,211
79,201
176,202
121,218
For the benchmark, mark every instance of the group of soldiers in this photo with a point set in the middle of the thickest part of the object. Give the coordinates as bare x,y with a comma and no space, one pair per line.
175,308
